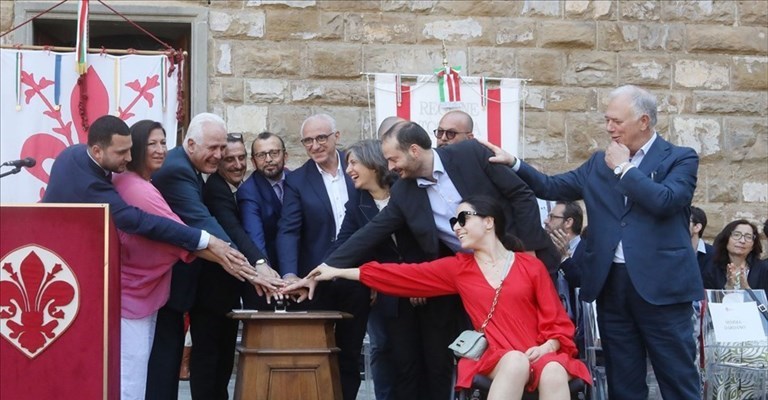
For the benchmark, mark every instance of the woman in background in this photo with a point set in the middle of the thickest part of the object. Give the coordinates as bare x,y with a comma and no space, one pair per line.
736,263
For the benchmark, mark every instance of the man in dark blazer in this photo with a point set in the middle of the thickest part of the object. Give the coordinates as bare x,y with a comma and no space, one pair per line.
218,293
180,182
83,174
642,268
312,214
704,251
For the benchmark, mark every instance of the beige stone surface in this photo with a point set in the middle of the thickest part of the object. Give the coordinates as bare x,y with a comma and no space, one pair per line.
232,89
719,11
635,10
753,12
334,61
329,92
246,118
591,68
470,30
722,39
661,37
381,28
544,136
645,70
618,36
727,102
244,24
480,8
588,9
6,15
749,73
349,6
537,8
265,90
515,32
702,73
259,59
585,134
571,99
746,139
409,60
544,67
568,34
699,133
288,24
492,61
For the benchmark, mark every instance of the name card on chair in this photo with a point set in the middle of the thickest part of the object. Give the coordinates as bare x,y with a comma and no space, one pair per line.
736,322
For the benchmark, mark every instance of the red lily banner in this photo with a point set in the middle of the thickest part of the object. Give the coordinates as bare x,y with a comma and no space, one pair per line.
43,109
59,303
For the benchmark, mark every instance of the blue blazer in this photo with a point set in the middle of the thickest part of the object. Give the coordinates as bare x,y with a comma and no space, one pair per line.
182,187
259,212
75,178
653,225
307,228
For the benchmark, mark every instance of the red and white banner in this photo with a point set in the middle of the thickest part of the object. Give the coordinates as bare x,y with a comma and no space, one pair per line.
495,111
40,106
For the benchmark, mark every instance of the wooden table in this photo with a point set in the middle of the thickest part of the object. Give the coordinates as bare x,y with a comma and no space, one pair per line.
288,356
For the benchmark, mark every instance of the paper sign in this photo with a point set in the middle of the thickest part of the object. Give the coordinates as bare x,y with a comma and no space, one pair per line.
736,322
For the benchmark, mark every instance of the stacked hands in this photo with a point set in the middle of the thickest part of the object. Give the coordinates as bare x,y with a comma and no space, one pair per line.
737,276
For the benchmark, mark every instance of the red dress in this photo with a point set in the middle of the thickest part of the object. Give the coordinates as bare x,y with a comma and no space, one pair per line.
529,311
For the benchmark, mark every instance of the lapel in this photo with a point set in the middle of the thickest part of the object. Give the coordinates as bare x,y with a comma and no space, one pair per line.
367,206
315,181
454,172
659,150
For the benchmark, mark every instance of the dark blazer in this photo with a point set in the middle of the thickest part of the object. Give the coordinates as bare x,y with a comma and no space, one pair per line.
182,187
75,178
715,276
572,266
467,165
705,259
307,228
653,225
259,212
218,290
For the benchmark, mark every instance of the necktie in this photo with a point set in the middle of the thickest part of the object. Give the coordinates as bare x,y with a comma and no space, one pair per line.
278,191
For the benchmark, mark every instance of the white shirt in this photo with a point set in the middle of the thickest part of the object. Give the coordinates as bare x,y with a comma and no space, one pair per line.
444,200
701,247
634,161
336,187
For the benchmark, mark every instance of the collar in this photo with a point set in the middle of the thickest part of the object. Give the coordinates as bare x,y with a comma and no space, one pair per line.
338,167
701,247
88,151
647,145
437,171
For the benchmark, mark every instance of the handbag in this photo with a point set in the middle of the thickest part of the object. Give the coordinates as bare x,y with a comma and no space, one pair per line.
471,343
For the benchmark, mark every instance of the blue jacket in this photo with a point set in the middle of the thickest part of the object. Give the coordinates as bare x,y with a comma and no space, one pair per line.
259,212
653,225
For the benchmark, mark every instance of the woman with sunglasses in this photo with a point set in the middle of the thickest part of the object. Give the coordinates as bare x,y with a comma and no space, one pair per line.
736,263
530,337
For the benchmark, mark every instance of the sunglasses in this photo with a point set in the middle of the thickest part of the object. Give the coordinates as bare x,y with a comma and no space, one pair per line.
449,135
462,218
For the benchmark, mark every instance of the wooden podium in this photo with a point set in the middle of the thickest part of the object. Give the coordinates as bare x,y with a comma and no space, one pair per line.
288,356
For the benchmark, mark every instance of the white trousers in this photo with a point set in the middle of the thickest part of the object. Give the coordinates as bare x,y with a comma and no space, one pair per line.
136,336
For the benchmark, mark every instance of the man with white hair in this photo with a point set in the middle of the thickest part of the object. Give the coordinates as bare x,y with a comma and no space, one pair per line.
180,181
642,268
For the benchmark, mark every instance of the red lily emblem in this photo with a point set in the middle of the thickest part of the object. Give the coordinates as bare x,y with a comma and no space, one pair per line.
39,298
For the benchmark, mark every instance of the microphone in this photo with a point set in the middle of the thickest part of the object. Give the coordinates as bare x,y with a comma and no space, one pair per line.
28,162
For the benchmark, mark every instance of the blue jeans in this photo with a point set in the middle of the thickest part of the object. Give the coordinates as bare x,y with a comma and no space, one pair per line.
382,367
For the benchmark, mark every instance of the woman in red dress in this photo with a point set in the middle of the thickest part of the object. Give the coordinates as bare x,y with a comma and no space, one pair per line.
530,337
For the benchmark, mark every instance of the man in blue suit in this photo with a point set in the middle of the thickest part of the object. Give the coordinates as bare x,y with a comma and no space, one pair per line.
312,214
641,267
83,174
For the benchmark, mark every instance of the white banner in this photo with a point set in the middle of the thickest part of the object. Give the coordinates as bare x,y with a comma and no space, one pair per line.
495,111
40,111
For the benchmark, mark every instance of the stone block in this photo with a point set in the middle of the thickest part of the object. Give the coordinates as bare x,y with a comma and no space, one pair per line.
669,37
726,39
749,73
617,36
635,10
515,32
214,90
492,61
645,70
479,8
317,92
334,60
746,139
723,184
586,9
542,67
755,192
350,6
267,59
232,90
714,12
543,136
246,118
226,4
701,74
413,6
265,90
591,68
753,12
381,28
350,121
224,57
571,99
408,59
568,34
286,3
699,133
237,25
304,25
724,102
534,97
6,15
450,29
541,8
674,102
585,134
285,120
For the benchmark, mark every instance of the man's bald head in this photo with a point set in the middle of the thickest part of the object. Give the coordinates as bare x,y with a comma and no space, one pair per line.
388,123
455,126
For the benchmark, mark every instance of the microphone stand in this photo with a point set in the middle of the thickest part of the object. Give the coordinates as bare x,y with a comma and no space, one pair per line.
16,170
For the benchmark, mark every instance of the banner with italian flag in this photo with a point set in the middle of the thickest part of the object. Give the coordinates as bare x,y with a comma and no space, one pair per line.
493,104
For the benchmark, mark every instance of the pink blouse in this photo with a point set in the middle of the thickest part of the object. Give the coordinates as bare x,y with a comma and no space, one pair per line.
145,264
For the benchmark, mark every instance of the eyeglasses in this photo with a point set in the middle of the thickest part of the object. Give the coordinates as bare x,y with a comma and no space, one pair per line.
748,237
272,154
550,216
235,137
449,134
320,139
462,218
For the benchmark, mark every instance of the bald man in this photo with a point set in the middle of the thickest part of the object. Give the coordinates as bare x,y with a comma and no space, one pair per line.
455,126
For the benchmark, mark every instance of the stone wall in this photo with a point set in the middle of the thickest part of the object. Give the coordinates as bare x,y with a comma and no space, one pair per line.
272,63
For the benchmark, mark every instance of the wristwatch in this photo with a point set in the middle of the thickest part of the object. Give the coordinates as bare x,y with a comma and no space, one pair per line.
619,169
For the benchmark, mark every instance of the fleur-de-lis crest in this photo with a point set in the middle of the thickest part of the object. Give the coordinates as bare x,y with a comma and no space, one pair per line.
39,298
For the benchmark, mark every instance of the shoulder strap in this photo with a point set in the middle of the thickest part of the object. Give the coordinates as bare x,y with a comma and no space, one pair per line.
760,306
498,291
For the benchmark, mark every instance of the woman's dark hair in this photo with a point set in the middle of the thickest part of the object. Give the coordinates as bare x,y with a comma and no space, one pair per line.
721,258
368,152
140,137
488,207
